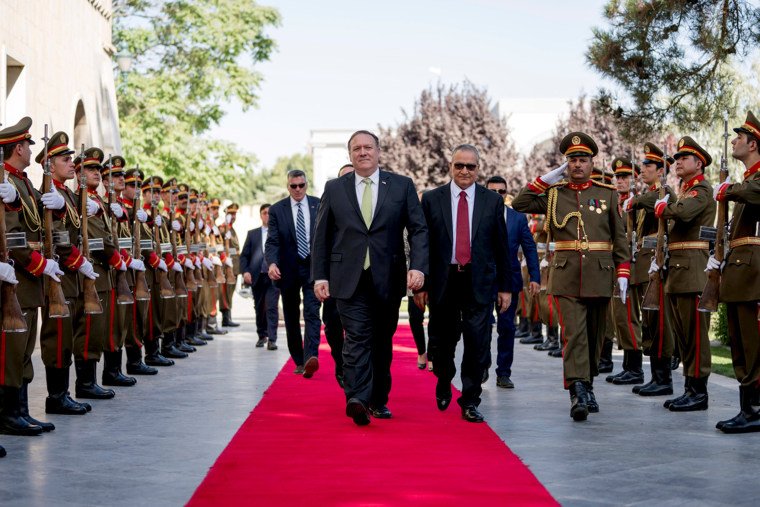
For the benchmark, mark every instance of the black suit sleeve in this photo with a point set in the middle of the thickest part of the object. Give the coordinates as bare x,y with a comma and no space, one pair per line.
245,256
419,245
322,238
272,247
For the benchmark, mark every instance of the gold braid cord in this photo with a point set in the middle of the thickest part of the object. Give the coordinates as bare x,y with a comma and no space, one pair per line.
30,213
551,212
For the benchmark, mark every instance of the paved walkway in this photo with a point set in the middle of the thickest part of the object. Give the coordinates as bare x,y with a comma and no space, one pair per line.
154,443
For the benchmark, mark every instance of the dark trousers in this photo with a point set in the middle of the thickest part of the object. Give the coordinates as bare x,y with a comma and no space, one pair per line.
333,331
505,341
416,316
301,351
369,323
458,314
265,299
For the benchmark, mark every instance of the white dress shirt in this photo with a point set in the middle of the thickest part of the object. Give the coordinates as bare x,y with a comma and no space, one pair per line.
359,185
306,216
470,194
263,238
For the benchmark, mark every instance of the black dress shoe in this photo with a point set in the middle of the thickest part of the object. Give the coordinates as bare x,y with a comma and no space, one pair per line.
485,377
470,414
261,342
311,366
298,370
381,412
356,410
339,378
504,381
271,346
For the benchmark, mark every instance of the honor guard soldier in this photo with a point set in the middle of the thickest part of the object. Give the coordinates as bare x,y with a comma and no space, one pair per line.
57,332
626,310
231,262
546,304
694,208
657,339
196,224
605,356
22,215
212,229
92,330
136,216
740,281
591,253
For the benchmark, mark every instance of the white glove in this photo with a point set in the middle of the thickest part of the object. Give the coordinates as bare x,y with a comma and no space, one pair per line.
206,262
623,285
627,203
7,192
159,220
228,261
53,200
201,223
216,230
92,207
176,225
52,270
137,265
176,267
712,263
216,261
162,265
141,215
123,266
197,262
192,226
723,185
117,210
228,219
228,235
7,273
544,263
554,176
207,230
188,263
653,267
663,200
87,270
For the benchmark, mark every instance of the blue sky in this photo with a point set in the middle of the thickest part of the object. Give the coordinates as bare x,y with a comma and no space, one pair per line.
343,64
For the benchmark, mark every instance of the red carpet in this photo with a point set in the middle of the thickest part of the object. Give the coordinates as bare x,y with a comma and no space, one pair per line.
299,448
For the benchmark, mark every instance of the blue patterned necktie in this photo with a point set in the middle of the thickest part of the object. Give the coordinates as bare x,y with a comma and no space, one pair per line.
303,246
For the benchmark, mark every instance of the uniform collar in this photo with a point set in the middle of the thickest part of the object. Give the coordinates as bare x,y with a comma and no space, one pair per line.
127,202
752,170
14,171
59,184
579,186
655,186
92,193
693,181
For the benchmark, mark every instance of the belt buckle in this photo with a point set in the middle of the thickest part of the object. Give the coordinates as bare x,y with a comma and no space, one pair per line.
461,268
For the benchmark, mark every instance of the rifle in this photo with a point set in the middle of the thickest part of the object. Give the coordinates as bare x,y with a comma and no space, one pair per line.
632,240
217,269
207,273
709,300
190,282
547,255
654,289
123,293
142,292
57,306
179,276
229,274
91,299
13,317
163,278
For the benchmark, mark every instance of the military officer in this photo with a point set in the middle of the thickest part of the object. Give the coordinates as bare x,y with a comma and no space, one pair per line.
230,239
742,269
656,325
548,310
605,356
694,208
591,254
626,310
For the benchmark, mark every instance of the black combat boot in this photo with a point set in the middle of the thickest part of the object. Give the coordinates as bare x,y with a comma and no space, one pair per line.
153,357
748,420
179,341
23,409
593,406
58,401
86,386
578,401
611,378
135,366
605,358
168,349
112,375
535,337
227,319
687,391
211,327
662,379
202,334
551,342
634,374
522,328
11,422
696,400
637,388
190,337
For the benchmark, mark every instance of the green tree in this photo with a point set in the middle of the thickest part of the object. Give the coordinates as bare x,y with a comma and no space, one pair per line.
189,59
673,59
270,184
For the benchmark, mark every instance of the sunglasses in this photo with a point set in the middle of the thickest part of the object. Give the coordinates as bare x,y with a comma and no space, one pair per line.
297,185
502,191
470,167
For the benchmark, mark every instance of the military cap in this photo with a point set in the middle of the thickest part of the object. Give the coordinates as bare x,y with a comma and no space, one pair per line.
169,185
623,166
751,126
182,190
654,155
193,195
688,146
153,183
577,144
214,203
134,176
17,132
58,144
93,158
232,208
117,167
601,176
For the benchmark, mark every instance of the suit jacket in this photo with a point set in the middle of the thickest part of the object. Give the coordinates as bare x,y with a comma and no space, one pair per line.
282,246
490,264
253,255
519,235
341,237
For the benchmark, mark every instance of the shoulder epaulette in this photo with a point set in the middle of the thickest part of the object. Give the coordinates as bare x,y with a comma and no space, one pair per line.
599,184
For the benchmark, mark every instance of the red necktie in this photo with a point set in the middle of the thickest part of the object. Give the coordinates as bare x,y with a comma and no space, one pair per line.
462,251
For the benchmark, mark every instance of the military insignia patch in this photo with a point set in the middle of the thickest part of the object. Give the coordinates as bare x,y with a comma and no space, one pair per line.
576,140
680,144
619,163
693,193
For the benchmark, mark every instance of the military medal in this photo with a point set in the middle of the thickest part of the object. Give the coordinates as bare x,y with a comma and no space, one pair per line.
604,206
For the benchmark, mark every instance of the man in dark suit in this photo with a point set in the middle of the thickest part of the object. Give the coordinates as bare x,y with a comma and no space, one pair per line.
255,271
520,237
288,254
468,258
359,260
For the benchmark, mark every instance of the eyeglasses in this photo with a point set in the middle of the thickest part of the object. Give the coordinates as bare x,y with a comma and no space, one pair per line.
470,167
502,191
297,185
